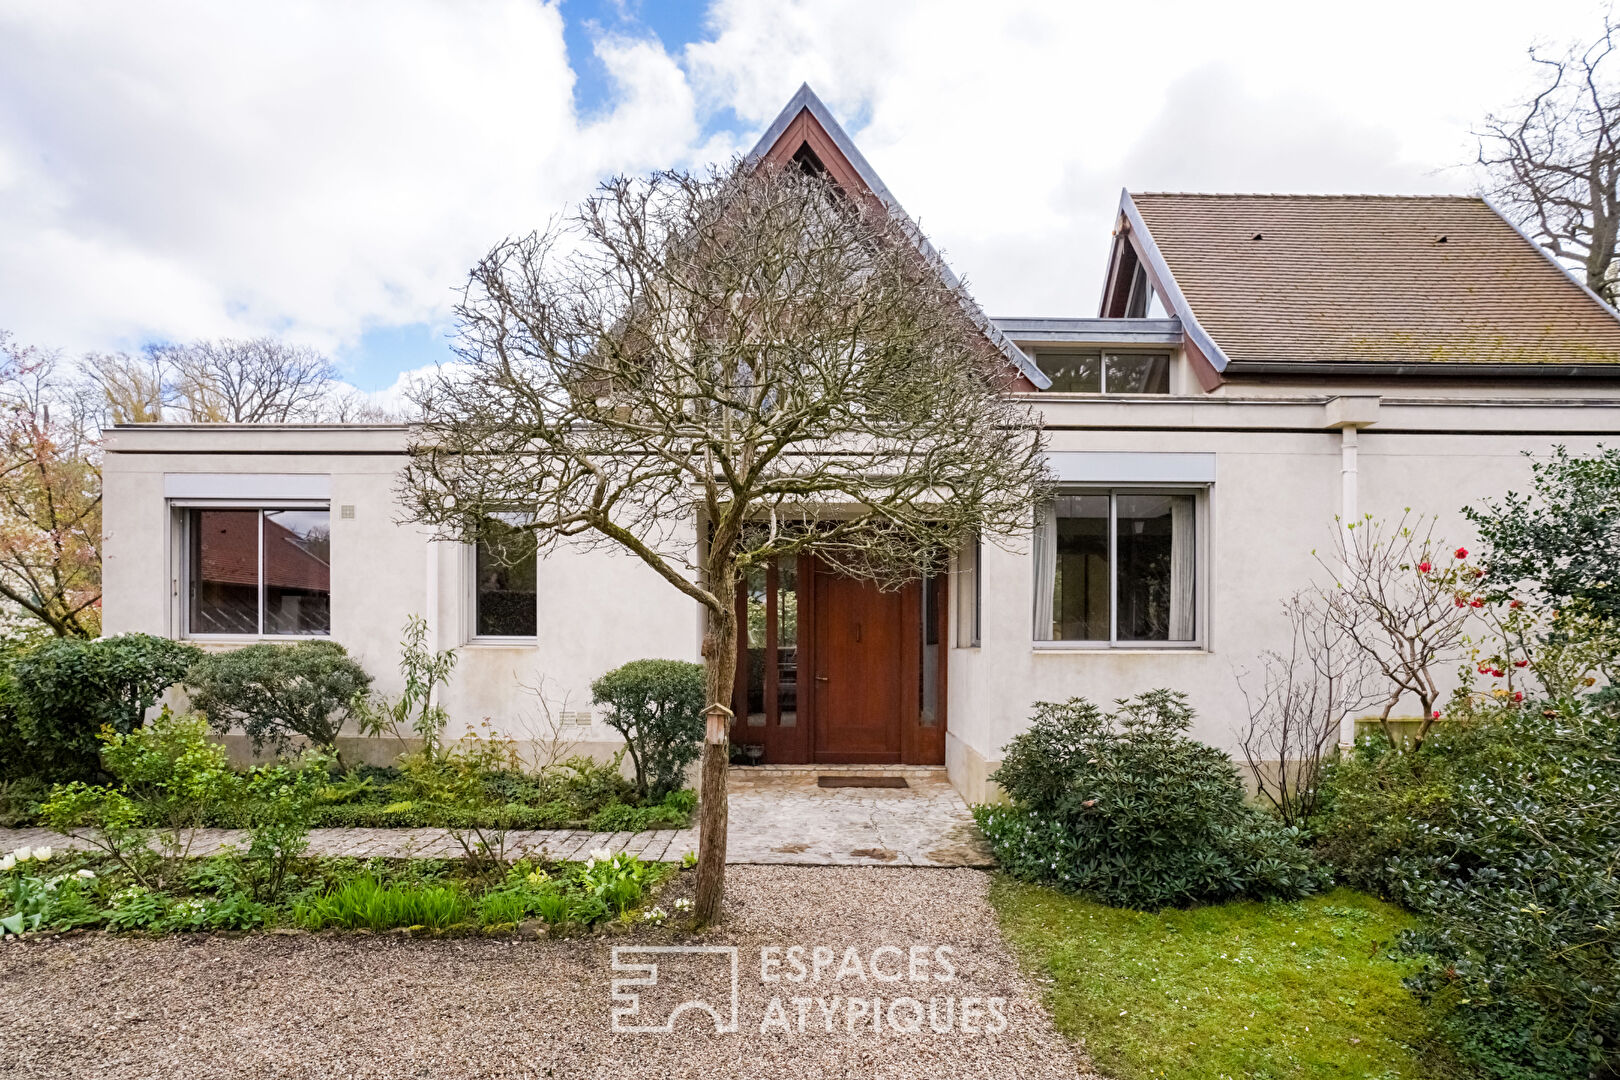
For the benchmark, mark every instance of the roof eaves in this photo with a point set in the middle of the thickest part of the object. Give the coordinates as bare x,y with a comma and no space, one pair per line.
1174,299
806,99
1577,282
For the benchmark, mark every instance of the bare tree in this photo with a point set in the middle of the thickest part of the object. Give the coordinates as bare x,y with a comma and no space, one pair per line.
253,381
1553,165
1405,603
1297,703
134,389
50,495
716,372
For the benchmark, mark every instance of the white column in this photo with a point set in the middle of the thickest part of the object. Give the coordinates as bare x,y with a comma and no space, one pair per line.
1349,513
430,595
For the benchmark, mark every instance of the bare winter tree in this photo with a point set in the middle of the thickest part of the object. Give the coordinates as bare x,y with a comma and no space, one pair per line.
714,372
253,381
1404,603
1554,164
1297,702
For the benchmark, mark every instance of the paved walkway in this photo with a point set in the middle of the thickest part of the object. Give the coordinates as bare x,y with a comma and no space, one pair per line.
778,815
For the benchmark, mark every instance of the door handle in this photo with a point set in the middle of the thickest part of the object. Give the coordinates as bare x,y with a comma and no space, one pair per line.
821,678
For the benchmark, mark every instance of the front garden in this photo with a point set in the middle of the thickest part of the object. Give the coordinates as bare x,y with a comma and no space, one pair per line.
80,757
1185,928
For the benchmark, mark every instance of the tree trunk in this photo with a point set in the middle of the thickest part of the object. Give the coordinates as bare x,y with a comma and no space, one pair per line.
719,672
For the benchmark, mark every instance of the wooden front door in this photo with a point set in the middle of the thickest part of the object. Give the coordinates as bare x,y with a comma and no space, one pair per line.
861,666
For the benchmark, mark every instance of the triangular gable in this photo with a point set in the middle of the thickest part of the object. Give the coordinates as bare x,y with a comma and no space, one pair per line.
806,132
1134,262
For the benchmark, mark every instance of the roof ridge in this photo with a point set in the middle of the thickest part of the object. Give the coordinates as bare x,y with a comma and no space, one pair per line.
1304,195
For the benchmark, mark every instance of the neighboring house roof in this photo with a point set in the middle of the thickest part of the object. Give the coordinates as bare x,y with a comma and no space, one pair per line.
229,542
806,125
1303,282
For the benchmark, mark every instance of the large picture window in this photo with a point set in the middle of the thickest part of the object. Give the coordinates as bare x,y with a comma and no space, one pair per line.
1084,372
1117,568
259,572
506,583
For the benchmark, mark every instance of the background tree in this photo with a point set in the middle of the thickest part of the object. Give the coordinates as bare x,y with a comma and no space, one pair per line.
50,495
1553,164
715,372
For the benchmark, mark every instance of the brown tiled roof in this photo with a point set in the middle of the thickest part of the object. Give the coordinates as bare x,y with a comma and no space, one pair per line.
1346,278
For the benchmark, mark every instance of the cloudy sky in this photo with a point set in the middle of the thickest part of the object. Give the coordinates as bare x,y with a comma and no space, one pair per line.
326,171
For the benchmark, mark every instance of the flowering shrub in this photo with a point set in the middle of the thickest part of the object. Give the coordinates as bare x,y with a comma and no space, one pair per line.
1126,807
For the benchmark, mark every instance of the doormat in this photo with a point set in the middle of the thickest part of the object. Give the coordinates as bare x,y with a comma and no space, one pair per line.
862,781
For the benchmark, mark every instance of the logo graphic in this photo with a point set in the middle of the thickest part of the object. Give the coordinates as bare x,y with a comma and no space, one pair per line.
693,978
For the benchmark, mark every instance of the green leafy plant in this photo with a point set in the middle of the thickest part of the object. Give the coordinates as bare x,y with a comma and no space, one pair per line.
657,705
279,806
279,694
617,881
60,694
367,903
415,710
1504,834
1127,808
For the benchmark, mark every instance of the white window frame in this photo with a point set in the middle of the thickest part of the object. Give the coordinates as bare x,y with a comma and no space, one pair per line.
472,636
180,512
1201,532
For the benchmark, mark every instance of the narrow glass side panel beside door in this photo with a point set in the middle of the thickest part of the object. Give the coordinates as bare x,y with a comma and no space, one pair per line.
787,641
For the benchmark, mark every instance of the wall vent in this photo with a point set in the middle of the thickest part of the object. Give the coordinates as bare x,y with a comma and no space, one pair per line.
577,719
346,511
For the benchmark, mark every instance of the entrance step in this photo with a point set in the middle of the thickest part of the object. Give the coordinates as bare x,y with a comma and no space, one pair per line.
744,777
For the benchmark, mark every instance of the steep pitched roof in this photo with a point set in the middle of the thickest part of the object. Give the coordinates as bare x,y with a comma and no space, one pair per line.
805,125
1304,281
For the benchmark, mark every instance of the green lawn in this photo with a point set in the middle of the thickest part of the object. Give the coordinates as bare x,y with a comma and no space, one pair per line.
1248,990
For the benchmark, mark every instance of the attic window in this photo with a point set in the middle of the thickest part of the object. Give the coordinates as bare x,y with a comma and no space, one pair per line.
1259,236
805,158
1440,239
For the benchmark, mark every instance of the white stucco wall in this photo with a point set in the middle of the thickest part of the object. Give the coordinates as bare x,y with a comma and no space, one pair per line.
1276,493
598,609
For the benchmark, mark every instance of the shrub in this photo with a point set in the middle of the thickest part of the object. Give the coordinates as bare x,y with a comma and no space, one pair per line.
278,693
58,695
657,705
1126,807
1504,833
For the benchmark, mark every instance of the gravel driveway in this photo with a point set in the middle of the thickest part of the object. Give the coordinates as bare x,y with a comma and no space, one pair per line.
356,1006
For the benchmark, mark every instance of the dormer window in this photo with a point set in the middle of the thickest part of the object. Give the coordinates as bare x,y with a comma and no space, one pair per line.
1087,372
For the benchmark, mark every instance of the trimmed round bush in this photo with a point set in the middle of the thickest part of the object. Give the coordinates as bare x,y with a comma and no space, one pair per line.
1125,807
276,693
657,705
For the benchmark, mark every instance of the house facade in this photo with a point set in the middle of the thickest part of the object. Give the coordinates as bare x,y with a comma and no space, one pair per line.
1259,368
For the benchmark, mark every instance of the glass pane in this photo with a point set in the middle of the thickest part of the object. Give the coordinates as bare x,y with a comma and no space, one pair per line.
1073,372
224,571
930,652
1080,591
787,641
754,598
1138,374
297,572
506,582
1156,567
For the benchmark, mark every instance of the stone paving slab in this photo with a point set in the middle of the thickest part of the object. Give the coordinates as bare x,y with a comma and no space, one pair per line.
778,816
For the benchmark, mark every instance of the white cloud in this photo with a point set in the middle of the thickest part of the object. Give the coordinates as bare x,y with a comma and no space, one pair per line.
192,168
183,168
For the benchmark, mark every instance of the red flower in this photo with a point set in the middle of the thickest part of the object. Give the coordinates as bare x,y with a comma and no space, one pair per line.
1460,601
1483,668
1516,605
1476,602
1460,553
1518,695
1437,714
1497,673
1521,663
1423,567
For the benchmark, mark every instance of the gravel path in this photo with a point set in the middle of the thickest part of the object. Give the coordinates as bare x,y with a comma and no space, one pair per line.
358,1006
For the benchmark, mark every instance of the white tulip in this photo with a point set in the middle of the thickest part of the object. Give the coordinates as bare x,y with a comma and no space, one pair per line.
42,854
23,854
602,855
7,863
88,875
